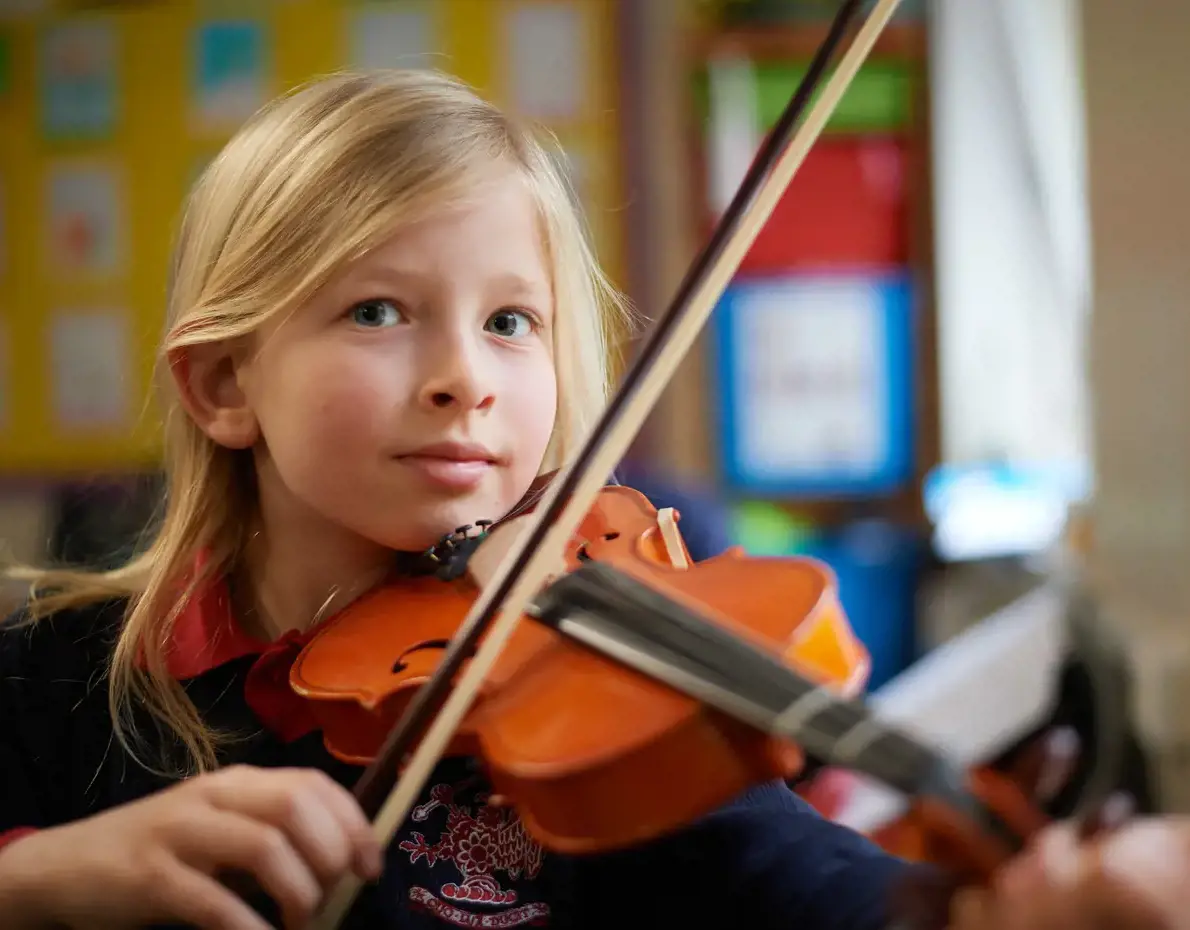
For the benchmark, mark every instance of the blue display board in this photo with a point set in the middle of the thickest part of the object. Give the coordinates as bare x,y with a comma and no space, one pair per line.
815,377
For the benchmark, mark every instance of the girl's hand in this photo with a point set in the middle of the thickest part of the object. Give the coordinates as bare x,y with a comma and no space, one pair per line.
296,832
1136,878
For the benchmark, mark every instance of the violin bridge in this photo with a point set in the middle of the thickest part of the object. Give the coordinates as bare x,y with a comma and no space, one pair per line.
667,523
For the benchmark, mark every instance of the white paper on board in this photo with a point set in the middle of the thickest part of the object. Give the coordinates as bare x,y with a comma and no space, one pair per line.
86,225
90,355
546,59
394,37
79,94
812,357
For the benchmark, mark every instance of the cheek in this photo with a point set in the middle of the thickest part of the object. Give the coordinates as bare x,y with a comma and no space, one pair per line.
325,405
535,407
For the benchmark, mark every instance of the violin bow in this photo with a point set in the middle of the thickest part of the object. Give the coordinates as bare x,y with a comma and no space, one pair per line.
439,709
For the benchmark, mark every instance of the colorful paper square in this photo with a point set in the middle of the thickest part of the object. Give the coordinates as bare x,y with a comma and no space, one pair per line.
78,80
86,227
230,79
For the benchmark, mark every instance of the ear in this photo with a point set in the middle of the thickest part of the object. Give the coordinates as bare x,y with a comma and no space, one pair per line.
207,377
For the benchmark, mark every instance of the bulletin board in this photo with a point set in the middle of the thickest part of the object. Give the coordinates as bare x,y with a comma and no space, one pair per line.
820,357
816,384
107,117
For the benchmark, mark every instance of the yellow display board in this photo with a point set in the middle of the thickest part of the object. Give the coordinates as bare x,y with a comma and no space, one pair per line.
106,118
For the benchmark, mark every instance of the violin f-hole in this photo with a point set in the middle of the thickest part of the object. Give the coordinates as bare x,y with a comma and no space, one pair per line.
402,664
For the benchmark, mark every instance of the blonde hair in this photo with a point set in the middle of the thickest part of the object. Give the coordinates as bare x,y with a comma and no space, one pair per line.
313,181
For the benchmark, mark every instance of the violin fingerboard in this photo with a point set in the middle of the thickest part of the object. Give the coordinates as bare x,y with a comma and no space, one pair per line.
625,619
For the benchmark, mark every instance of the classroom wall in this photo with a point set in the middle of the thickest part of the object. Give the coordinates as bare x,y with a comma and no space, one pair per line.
1136,74
108,117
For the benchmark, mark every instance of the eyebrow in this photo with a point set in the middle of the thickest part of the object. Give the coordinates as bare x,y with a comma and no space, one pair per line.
509,282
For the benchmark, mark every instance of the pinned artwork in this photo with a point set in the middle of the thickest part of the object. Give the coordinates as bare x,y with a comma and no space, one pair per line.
816,384
394,36
86,228
91,364
546,60
78,80
230,80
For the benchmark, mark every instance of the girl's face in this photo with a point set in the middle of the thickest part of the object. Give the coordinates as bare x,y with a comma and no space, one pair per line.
416,392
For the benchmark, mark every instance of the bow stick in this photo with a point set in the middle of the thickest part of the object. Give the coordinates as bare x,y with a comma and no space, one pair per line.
568,499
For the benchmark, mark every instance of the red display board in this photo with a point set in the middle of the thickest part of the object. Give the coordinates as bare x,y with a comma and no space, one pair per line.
847,208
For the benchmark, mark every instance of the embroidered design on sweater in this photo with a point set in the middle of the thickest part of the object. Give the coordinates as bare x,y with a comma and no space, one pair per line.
478,844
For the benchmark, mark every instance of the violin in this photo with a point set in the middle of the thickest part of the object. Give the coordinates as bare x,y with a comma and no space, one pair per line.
612,690
594,754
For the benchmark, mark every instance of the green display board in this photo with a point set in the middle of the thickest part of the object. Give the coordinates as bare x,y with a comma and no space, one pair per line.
879,100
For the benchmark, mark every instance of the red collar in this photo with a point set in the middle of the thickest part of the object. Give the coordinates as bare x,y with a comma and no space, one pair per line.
206,635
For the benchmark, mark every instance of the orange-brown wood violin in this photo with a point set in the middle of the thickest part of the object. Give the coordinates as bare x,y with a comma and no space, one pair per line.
576,724
613,690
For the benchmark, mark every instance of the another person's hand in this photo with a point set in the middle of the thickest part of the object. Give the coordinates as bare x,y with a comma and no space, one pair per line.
1134,878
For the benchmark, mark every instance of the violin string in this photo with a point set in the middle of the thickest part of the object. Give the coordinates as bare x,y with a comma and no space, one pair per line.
598,601
822,733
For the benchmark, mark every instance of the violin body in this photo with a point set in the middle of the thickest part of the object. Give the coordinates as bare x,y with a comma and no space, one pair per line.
593,754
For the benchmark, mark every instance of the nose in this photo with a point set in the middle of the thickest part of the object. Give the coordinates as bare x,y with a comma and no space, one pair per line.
457,375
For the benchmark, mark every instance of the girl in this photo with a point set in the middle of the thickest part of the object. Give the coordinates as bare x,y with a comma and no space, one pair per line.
385,323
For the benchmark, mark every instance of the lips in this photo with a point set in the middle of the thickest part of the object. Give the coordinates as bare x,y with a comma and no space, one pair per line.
454,452
451,466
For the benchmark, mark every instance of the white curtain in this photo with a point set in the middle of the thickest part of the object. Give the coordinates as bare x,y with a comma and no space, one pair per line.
1011,231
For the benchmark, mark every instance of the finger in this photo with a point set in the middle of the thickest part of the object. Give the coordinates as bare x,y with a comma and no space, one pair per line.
369,855
180,894
298,802
219,840
1060,854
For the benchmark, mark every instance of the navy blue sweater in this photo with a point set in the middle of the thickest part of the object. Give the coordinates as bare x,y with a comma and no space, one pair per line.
766,860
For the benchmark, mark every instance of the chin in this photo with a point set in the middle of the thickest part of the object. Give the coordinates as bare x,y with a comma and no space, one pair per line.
423,525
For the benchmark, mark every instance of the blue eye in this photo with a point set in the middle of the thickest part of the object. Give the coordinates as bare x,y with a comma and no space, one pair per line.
510,324
375,313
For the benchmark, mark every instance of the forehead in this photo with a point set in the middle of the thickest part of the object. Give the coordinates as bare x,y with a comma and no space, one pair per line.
496,228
